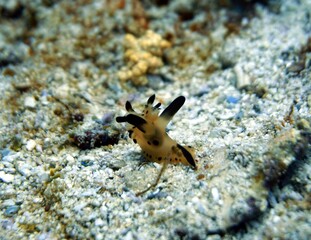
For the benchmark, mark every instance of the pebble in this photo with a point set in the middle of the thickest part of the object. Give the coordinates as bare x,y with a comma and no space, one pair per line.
24,168
43,177
44,98
110,102
7,164
5,152
233,100
99,222
8,202
226,115
79,207
11,210
31,144
45,235
215,194
7,193
10,158
276,219
39,148
30,102
88,193
296,67
239,115
107,118
243,80
7,224
37,200
70,159
62,91
7,178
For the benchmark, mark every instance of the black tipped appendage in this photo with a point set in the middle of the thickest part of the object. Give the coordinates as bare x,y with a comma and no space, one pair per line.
187,155
157,106
128,107
151,99
173,108
121,119
136,121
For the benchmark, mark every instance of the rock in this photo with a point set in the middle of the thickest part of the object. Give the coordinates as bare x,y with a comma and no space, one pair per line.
5,152
215,194
233,100
43,177
31,144
243,80
39,148
7,178
70,159
24,168
11,157
7,193
11,210
99,222
30,102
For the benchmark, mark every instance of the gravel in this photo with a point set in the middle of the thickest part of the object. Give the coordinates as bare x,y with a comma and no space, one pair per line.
245,73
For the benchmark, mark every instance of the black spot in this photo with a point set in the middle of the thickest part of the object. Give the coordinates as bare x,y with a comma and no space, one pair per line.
149,143
159,158
155,142
134,140
130,133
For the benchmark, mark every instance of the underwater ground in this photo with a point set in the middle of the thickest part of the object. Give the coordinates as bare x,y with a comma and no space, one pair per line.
69,170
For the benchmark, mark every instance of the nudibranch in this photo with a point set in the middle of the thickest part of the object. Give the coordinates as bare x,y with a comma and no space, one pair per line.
149,132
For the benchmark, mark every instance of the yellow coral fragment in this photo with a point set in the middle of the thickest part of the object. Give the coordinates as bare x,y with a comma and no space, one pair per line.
143,55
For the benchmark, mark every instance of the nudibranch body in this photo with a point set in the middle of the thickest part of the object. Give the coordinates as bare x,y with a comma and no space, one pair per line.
149,131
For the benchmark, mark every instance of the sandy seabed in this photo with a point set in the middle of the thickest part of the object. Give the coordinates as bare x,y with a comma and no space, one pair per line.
69,170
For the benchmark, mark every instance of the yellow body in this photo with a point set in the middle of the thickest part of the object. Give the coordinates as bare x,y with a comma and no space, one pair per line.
149,132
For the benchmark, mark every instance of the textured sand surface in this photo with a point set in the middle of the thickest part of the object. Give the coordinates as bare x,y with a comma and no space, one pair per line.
69,170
